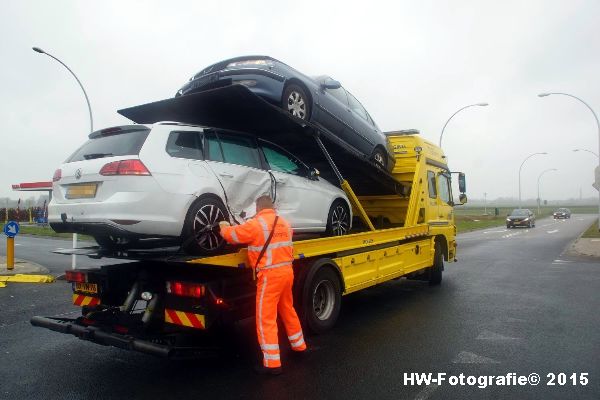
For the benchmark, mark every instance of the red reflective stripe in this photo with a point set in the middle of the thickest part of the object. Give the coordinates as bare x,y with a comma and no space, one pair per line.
78,300
174,317
194,320
95,301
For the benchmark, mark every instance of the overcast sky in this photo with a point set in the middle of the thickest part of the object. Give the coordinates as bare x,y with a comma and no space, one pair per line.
411,63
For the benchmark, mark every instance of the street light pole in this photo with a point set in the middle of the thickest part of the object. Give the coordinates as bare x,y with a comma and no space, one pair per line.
589,151
470,105
520,168
87,100
38,50
597,124
539,177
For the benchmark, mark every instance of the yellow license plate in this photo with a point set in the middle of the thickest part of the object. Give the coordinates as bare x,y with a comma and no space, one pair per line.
81,191
86,287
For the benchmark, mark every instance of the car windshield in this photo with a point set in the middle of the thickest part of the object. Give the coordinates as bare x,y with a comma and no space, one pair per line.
519,212
123,144
562,210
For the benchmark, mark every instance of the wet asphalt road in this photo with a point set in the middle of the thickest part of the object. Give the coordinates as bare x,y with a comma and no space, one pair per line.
513,303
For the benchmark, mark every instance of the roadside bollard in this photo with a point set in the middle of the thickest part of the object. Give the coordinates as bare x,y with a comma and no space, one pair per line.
11,229
10,253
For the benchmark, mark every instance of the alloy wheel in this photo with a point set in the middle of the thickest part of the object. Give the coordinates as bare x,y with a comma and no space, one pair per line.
205,221
340,221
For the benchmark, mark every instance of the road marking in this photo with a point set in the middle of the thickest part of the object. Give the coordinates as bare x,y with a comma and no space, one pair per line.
489,335
554,231
466,357
500,231
594,240
428,391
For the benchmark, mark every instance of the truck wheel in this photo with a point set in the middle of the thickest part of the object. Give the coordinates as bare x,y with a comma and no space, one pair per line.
338,219
296,102
435,272
200,231
322,299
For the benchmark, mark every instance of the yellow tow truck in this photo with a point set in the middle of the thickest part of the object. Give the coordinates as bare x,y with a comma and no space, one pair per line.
167,304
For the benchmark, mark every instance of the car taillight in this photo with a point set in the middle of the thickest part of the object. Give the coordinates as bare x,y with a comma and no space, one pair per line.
124,167
57,175
75,276
185,289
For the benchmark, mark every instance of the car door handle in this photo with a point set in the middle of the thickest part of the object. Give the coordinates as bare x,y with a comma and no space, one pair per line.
226,175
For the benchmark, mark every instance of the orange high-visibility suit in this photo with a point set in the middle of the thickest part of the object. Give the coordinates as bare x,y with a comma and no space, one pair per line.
275,278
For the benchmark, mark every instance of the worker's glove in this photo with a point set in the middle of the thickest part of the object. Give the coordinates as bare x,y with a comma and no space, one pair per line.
223,224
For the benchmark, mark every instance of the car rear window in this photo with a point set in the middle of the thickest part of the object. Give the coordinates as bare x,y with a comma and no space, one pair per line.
123,144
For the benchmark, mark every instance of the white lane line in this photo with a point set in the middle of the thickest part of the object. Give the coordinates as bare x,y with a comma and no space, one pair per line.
554,231
427,392
594,240
500,231
466,357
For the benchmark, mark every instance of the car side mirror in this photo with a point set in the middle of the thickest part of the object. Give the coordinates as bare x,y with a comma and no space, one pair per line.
313,174
462,198
331,84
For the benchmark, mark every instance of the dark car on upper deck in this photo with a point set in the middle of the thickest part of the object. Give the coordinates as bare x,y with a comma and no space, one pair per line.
321,100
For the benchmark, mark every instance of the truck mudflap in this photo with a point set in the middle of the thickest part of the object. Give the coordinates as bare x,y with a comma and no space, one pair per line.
126,342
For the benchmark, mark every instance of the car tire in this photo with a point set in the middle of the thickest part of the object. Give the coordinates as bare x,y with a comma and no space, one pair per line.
338,219
322,300
200,234
296,101
379,157
112,242
435,271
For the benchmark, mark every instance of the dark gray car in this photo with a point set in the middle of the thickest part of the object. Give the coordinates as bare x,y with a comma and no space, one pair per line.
321,100
520,217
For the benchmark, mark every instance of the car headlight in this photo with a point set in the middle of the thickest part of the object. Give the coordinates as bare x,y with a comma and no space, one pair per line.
249,63
526,219
507,219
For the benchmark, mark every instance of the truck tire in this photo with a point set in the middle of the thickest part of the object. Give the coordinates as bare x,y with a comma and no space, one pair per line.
200,231
321,300
435,272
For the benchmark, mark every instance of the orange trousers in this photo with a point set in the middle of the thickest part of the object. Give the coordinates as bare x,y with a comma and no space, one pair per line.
274,296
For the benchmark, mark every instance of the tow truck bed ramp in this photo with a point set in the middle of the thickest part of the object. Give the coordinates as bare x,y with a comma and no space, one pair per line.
236,108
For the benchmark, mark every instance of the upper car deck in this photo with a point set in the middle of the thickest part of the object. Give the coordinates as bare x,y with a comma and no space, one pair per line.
236,108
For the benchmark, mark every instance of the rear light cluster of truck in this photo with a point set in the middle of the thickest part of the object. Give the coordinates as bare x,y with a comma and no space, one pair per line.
76,276
185,289
124,167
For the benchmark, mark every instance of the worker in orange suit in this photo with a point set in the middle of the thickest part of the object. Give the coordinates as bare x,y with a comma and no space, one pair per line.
275,278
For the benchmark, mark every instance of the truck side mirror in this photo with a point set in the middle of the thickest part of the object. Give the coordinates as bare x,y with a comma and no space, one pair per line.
462,183
462,198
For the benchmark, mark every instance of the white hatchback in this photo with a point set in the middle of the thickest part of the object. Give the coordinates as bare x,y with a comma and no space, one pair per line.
171,180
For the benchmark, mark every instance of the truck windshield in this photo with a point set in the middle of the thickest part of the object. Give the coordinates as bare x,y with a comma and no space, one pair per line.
123,144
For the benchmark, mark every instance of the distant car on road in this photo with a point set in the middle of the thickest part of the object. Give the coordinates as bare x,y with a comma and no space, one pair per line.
562,213
178,181
520,217
321,100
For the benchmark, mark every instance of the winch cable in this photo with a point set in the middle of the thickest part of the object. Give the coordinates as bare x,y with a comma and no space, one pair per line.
273,191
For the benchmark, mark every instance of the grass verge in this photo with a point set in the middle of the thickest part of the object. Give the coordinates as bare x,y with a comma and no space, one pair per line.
592,231
40,230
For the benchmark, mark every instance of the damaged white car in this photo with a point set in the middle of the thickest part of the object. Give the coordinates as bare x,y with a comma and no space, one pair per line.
171,180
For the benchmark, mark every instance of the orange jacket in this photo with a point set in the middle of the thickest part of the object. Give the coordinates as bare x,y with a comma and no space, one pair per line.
255,232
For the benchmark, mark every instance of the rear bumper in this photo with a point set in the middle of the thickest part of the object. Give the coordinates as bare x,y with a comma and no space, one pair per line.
126,342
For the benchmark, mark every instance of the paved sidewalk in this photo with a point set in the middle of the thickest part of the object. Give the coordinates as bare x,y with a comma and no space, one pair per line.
589,247
22,267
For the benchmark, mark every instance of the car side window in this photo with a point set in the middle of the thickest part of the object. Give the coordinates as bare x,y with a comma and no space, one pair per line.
444,188
239,150
280,161
431,184
357,107
213,148
185,144
339,94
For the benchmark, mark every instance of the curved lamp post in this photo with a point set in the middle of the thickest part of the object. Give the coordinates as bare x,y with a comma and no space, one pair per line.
470,105
597,124
38,50
589,151
520,168
539,177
